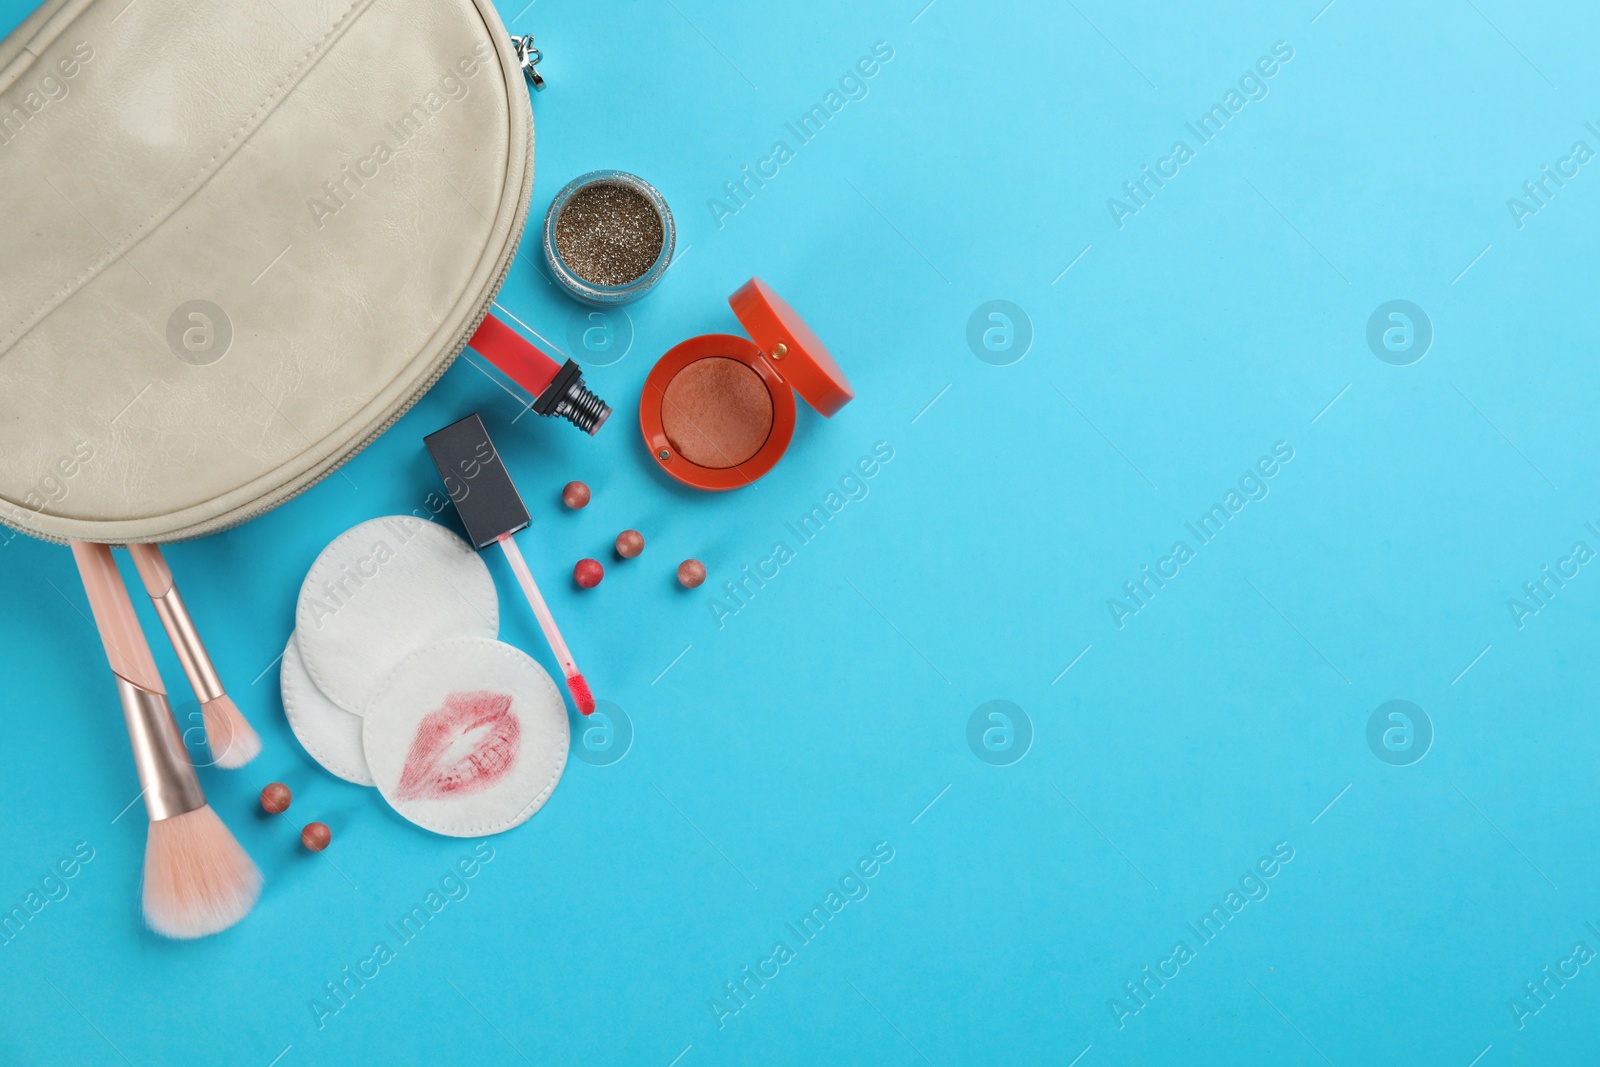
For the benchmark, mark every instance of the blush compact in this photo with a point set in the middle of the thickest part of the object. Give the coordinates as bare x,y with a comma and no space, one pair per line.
718,410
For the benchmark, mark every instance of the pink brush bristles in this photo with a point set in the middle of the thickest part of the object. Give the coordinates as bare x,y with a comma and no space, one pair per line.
580,694
198,880
232,740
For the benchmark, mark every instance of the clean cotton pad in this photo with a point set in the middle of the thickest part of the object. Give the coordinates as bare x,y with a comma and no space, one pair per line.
467,737
382,590
328,733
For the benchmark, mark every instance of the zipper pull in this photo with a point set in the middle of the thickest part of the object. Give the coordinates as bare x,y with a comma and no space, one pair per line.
529,57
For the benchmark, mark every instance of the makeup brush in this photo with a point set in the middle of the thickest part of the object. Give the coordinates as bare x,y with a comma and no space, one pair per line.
492,510
232,741
197,878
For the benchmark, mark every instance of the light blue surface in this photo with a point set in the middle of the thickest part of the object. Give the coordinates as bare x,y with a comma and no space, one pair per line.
1227,716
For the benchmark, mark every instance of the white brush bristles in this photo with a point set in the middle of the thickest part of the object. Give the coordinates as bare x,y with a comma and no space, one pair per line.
198,880
232,740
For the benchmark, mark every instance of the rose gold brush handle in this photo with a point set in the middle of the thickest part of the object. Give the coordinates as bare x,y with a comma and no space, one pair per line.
175,619
113,613
170,784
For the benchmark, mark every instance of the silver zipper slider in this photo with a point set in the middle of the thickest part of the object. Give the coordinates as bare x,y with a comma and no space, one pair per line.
528,56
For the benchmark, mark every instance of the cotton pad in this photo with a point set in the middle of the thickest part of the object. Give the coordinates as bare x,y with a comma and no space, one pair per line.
382,590
328,733
467,737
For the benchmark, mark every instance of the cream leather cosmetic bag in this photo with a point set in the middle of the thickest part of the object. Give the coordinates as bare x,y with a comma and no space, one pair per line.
237,242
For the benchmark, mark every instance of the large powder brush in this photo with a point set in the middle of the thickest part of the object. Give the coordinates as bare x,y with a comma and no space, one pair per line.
198,880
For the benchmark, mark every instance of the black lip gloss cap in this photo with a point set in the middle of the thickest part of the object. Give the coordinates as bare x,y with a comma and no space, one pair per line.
477,481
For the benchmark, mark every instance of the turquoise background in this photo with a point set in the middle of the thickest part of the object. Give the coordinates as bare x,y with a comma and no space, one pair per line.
831,713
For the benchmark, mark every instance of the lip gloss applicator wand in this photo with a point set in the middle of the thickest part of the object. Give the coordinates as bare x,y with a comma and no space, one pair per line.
492,510
581,696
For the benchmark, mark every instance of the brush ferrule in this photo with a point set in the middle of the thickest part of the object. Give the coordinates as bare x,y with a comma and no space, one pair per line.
170,785
187,644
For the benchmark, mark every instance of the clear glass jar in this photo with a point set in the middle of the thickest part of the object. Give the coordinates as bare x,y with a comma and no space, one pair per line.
579,286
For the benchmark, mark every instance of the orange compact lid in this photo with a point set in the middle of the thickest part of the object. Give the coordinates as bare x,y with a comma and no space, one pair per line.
790,347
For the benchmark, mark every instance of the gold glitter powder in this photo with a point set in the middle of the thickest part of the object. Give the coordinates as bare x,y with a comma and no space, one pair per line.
609,233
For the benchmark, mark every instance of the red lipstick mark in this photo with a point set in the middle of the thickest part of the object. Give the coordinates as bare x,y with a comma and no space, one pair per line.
464,747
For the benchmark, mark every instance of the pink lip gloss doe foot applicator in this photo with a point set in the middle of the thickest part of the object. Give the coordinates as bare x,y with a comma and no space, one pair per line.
197,878
492,510
581,696
233,743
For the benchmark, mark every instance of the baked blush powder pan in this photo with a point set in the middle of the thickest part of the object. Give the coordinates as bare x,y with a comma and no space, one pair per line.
718,410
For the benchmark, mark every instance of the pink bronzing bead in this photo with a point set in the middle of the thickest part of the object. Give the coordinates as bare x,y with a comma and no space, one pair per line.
588,572
575,495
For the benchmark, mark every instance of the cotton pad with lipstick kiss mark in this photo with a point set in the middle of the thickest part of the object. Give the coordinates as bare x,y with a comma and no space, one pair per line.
467,737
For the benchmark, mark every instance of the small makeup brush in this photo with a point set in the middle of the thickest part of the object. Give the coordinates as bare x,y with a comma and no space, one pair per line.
232,741
492,510
197,878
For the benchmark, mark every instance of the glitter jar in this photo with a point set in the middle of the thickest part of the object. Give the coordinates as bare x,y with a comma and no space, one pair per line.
608,237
